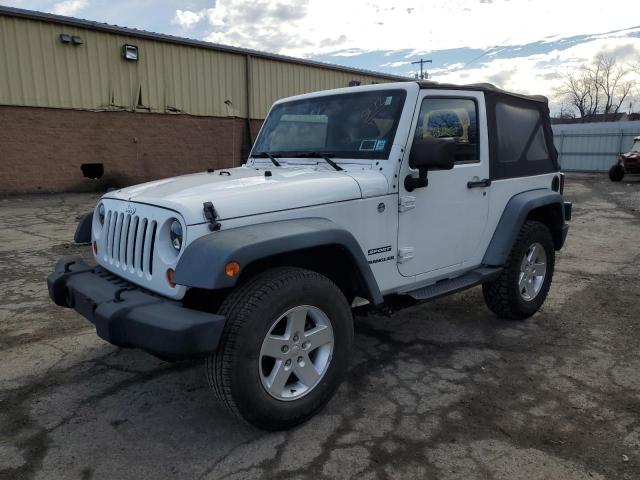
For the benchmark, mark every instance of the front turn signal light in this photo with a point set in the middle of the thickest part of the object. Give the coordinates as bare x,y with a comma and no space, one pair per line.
170,273
232,269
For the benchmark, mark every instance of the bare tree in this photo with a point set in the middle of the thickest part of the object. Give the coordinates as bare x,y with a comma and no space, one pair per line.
597,88
611,84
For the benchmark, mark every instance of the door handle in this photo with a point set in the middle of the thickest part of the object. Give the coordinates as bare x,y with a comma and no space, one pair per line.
485,182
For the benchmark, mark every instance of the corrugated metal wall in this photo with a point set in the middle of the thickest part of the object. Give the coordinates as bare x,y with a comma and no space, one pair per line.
272,80
38,70
593,147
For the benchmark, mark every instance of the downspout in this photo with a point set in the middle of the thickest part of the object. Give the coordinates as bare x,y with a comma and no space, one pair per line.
249,96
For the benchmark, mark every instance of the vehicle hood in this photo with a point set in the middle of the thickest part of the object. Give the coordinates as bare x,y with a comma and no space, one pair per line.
243,191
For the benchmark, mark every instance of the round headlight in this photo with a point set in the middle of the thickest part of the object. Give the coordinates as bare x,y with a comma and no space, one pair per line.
175,232
101,214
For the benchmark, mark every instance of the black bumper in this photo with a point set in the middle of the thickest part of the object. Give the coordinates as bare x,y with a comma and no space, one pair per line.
127,316
566,208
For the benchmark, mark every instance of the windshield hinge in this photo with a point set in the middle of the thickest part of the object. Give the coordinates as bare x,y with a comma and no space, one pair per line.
405,254
406,203
211,215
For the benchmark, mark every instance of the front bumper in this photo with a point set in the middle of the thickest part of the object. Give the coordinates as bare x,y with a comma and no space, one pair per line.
127,316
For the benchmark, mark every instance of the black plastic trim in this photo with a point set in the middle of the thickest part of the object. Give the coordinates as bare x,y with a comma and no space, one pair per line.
128,316
202,263
512,219
83,230
567,208
457,284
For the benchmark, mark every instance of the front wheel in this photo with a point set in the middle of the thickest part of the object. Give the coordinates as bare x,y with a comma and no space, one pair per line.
285,347
523,285
616,173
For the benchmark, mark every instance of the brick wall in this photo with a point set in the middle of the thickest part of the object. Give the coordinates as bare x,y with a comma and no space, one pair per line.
41,149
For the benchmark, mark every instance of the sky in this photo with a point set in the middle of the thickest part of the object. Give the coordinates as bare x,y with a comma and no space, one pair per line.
520,45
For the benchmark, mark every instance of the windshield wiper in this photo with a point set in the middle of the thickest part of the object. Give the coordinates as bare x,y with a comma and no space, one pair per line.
325,156
268,155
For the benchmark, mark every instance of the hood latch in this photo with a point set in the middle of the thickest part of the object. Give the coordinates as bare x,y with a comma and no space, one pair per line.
211,215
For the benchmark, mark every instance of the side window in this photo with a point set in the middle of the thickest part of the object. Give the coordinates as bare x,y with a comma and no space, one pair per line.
455,118
521,141
520,135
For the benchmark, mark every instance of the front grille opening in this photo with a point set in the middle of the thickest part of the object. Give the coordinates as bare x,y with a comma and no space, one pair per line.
117,237
126,241
112,233
153,243
142,237
107,229
134,228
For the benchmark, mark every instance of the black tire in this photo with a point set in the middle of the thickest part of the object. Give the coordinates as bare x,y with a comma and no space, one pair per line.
616,173
250,311
503,296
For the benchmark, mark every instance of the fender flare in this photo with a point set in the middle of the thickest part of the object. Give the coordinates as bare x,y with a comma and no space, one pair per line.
202,263
513,217
83,230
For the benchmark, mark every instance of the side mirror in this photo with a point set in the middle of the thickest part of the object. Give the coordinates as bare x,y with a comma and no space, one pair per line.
433,154
429,154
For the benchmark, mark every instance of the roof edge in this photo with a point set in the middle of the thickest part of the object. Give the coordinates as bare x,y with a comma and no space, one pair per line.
484,87
161,37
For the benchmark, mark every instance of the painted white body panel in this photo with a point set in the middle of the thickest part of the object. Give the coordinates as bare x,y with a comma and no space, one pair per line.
243,191
449,228
448,218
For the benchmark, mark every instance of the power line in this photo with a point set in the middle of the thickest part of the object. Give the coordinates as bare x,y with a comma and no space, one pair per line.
486,52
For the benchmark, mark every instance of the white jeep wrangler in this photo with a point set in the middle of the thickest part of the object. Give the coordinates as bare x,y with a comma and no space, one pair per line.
372,197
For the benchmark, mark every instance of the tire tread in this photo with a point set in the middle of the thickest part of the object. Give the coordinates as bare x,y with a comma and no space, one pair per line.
498,294
237,308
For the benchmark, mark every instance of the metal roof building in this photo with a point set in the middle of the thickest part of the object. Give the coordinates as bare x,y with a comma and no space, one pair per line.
68,64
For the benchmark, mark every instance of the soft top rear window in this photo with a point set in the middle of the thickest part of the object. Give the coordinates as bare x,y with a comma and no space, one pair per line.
521,142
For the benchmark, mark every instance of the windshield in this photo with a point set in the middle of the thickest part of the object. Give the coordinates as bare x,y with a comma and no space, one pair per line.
636,146
350,125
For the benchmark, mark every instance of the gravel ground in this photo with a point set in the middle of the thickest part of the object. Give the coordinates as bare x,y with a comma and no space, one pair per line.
439,391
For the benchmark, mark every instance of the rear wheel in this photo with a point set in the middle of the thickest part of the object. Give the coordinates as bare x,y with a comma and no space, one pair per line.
616,173
285,347
523,285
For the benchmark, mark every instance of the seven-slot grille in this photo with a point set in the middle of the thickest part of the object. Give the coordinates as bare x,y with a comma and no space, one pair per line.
129,241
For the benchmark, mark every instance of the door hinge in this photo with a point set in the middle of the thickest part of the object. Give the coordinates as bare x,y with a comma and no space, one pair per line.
407,202
405,254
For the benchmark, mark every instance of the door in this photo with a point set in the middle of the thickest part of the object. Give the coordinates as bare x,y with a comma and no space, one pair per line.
440,225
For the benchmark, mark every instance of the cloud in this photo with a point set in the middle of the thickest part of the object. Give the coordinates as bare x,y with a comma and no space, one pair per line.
69,7
188,18
319,27
394,64
542,73
501,77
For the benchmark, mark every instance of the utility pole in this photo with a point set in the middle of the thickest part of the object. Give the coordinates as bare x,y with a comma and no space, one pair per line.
423,75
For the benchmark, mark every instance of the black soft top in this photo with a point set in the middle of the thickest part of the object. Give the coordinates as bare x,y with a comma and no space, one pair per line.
519,131
482,87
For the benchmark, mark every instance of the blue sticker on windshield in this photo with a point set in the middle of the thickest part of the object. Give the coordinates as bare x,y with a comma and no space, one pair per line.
367,145
387,101
380,145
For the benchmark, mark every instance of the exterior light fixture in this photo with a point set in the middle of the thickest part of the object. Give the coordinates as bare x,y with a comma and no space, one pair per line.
65,38
354,83
76,40
130,52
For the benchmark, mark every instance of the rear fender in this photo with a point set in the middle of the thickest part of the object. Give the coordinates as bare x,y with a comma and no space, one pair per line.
543,205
